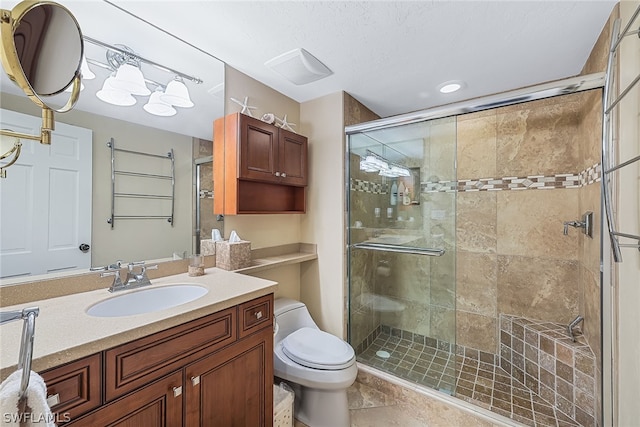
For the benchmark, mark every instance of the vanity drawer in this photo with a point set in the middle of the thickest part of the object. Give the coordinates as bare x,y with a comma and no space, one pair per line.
255,315
139,362
76,387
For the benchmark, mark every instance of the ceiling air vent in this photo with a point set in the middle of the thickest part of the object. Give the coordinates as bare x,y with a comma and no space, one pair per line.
299,67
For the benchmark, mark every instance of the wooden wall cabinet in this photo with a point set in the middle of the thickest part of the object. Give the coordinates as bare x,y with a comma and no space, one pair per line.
212,371
258,167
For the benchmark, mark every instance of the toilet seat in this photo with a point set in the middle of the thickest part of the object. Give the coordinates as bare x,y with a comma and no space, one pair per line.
314,348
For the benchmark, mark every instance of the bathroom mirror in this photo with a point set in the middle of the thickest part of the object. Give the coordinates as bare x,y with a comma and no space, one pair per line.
42,51
188,130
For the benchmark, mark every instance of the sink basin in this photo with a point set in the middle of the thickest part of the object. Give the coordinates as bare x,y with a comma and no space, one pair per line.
147,300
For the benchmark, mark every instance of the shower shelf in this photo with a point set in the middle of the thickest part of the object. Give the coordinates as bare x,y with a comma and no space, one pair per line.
611,102
399,249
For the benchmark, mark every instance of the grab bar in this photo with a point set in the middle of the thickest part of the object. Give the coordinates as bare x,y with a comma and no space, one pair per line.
26,345
399,249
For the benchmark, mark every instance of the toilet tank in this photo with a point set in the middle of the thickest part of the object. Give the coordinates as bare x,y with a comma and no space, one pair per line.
291,315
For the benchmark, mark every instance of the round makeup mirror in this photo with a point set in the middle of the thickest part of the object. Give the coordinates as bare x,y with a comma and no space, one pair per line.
42,50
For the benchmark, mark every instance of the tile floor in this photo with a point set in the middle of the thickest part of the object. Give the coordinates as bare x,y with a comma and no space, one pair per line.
376,402
480,382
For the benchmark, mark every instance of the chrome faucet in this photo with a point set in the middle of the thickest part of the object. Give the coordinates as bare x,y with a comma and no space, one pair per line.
572,325
136,280
132,279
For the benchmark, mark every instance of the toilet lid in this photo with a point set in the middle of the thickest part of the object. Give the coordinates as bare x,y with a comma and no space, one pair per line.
317,349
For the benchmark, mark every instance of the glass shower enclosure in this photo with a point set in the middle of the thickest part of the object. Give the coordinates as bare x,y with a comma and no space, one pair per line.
401,257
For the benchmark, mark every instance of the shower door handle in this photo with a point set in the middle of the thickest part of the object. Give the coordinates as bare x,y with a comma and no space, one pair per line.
399,249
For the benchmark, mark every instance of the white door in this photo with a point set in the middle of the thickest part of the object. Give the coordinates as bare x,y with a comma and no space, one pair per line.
45,200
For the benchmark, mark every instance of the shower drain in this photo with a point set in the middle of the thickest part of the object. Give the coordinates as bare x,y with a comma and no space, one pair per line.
383,354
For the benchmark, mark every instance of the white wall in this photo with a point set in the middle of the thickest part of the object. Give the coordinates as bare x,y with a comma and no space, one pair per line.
628,350
322,283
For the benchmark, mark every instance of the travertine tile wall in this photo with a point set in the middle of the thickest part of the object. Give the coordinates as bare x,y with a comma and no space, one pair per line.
512,255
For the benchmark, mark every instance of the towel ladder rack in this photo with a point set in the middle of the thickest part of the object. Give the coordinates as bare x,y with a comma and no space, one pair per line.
610,109
26,344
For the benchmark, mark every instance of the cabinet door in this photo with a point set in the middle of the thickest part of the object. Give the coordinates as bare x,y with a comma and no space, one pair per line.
258,150
157,405
234,387
292,158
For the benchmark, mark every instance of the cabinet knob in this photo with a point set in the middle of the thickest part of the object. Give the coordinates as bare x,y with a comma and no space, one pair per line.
195,380
283,174
277,174
177,391
258,315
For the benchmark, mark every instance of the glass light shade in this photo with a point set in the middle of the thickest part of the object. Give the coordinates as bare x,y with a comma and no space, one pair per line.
129,78
112,95
87,74
364,166
177,94
156,107
388,173
399,171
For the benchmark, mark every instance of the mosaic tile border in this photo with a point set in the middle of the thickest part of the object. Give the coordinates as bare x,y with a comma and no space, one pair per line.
370,187
589,176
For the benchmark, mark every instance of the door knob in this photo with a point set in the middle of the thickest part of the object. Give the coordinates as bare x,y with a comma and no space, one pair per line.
283,174
84,247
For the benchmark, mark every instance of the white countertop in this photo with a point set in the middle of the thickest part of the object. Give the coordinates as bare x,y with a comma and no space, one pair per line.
64,332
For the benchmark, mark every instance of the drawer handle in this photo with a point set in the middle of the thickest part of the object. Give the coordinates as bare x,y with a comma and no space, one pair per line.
258,315
195,380
53,399
177,391
277,174
283,174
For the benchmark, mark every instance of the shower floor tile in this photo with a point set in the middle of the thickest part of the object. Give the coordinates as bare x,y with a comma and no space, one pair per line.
481,383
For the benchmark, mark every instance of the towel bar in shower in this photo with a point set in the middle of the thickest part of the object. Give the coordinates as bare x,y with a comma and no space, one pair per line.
399,249
26,344
611,102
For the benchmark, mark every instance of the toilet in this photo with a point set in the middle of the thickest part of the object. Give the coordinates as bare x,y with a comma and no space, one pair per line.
318,365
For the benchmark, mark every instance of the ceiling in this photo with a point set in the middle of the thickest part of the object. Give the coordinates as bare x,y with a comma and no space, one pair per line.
390,55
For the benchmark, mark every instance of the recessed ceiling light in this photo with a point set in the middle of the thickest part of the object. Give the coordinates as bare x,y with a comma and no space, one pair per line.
450,86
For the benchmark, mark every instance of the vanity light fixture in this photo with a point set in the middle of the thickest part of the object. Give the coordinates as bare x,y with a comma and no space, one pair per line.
373,162
127,80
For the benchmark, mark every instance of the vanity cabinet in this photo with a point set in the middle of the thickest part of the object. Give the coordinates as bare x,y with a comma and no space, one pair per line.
258,167
213,371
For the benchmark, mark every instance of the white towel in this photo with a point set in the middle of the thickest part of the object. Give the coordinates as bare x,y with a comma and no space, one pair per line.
40,413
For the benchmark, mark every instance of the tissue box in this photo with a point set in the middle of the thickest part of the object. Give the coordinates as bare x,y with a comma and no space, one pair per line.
207,247
233,256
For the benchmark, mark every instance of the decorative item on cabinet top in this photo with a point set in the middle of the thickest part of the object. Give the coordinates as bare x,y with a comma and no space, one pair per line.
258,167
